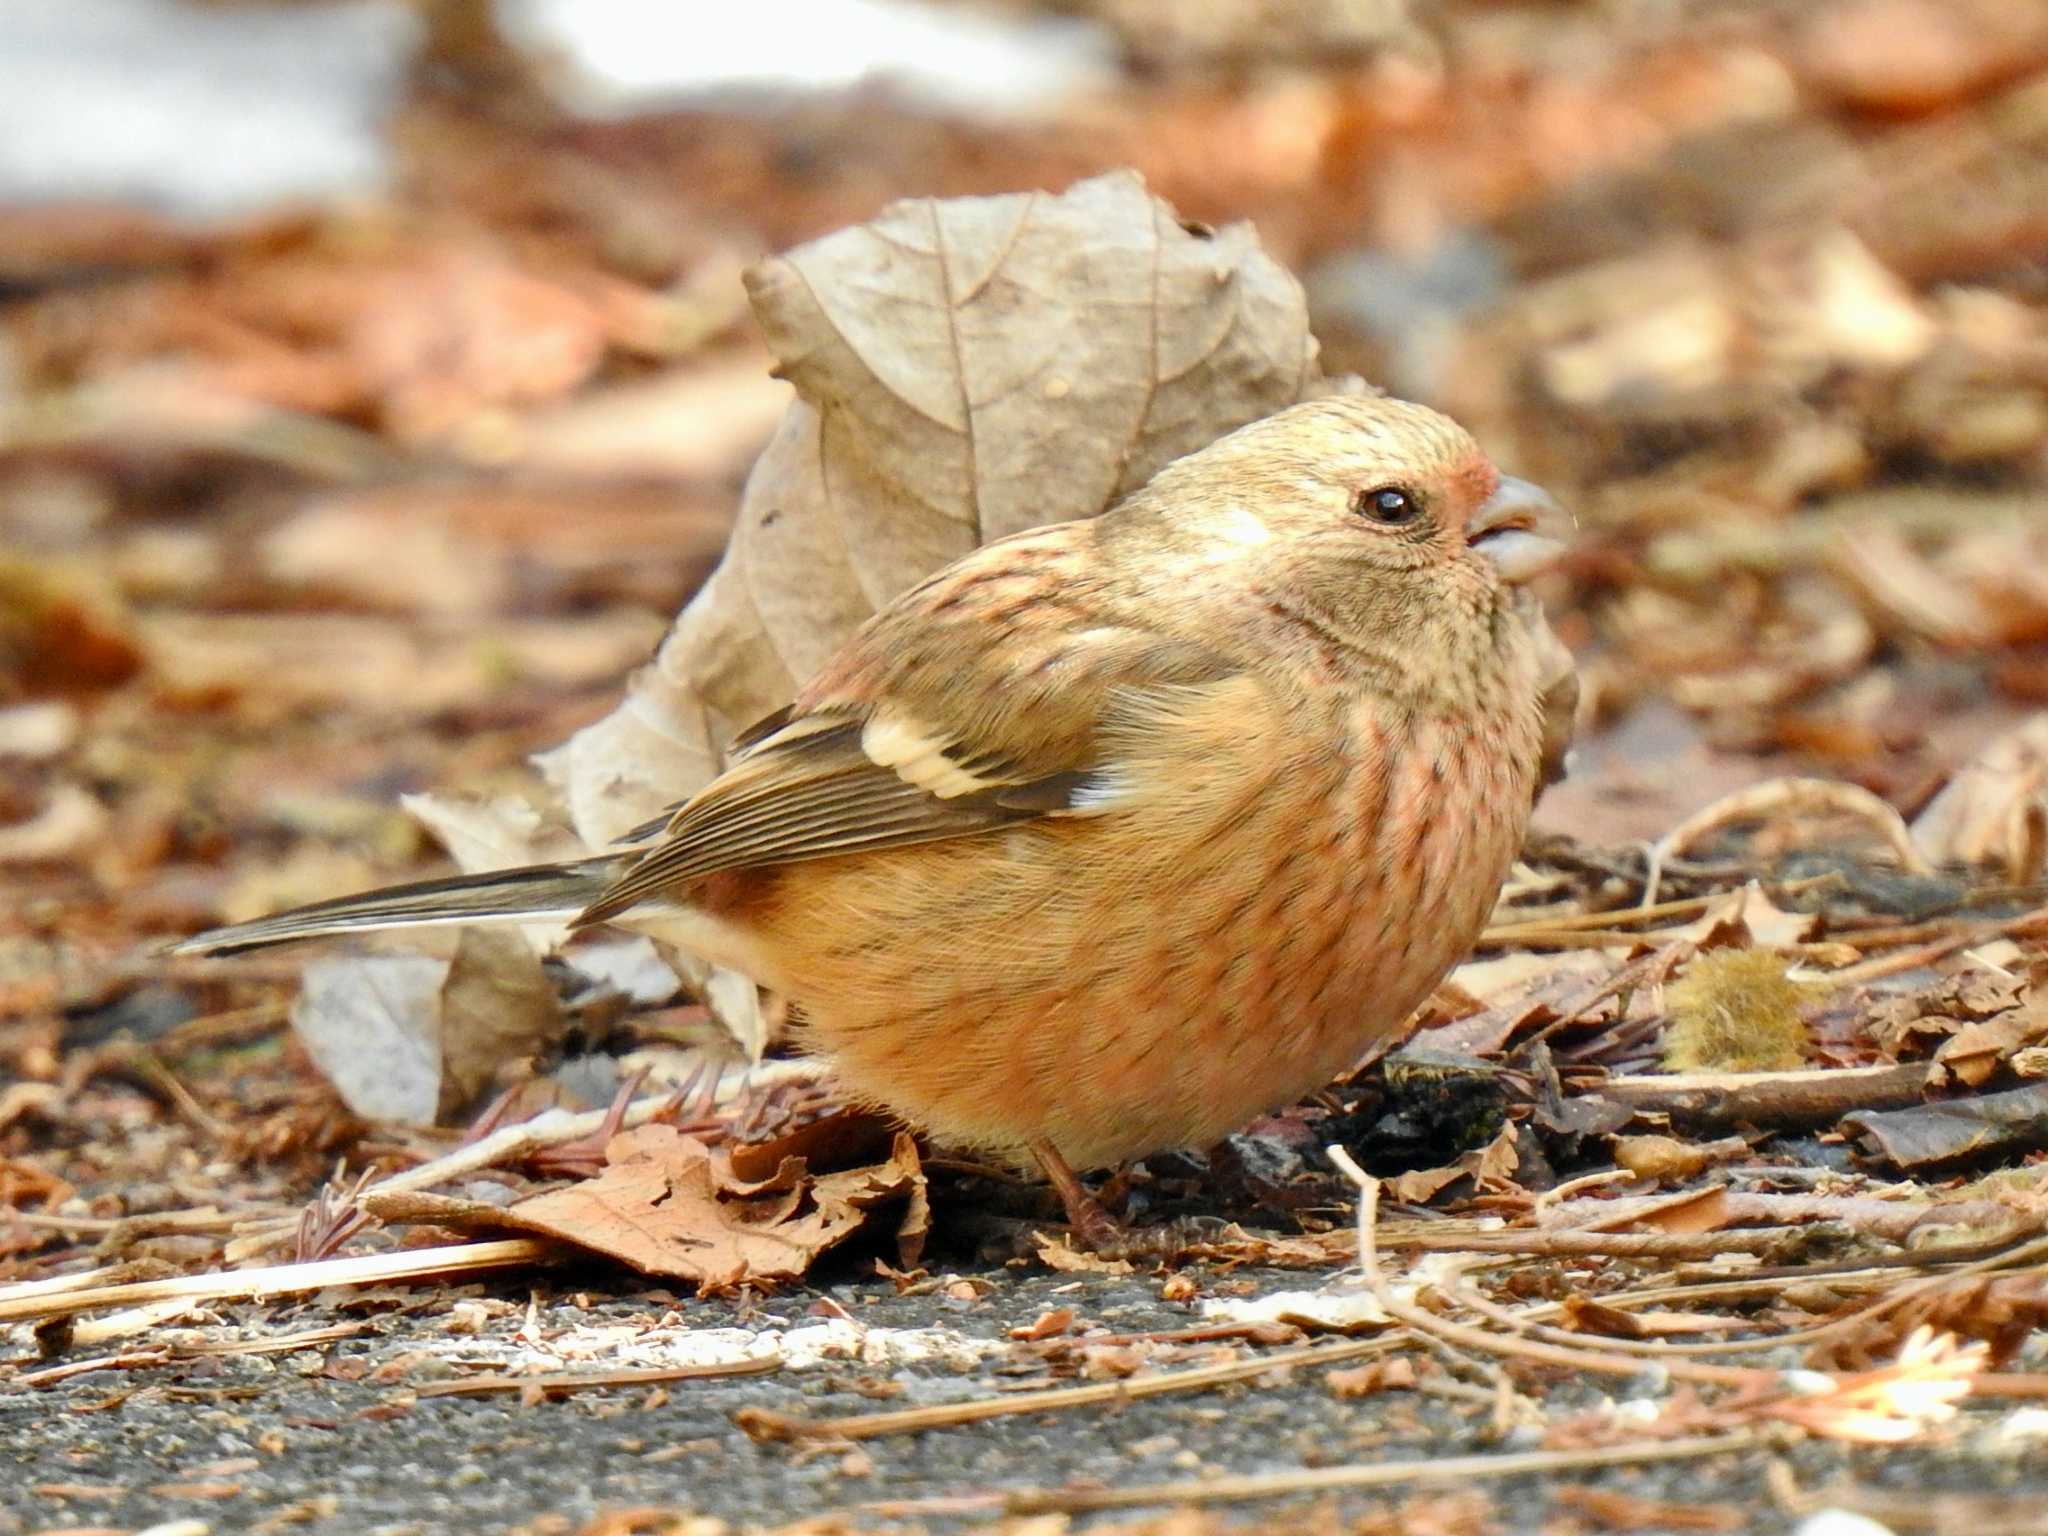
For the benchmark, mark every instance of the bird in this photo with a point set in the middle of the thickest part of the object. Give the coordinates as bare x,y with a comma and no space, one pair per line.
1116,834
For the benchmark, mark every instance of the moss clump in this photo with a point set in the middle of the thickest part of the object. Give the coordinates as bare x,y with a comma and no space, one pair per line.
1736,1010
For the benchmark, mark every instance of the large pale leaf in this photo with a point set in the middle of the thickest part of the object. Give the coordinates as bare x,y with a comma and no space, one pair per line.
965,368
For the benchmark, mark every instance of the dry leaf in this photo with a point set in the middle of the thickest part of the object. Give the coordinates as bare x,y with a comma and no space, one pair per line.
1994,812
668,1205
1610,1509
1589,1316
1373,1377
965,369
372,1026
701,422
1666,1157
2003,1311
411,1040
1491,1167
1975,1051
1347,1309
497,1006
1896,1403
63,629
38,732
1704,1210
1682,1211
1747,917
348,659
1062,1257
1519,990
1931,1135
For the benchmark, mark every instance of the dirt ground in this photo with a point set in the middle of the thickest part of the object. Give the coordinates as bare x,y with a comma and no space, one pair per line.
330,1438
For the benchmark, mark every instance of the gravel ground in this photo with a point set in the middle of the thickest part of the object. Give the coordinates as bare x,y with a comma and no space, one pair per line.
330,1440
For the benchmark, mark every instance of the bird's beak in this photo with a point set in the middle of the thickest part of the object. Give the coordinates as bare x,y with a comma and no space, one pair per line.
1521,529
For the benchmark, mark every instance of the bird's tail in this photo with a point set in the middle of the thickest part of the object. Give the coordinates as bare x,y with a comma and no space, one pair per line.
537,892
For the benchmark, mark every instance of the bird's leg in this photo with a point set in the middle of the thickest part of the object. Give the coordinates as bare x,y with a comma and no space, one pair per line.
1106,1237
1097,1230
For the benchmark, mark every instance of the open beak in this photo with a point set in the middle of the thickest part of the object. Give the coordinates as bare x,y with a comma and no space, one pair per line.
1521,529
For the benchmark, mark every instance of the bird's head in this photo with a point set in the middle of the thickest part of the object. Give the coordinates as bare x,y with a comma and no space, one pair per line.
1381,520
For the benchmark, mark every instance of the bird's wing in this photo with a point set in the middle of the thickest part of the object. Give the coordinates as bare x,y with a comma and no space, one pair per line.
976,701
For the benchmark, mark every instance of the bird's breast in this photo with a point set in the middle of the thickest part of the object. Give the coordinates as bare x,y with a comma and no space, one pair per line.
1122,984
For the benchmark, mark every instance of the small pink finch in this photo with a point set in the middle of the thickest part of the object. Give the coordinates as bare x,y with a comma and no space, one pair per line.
1115,834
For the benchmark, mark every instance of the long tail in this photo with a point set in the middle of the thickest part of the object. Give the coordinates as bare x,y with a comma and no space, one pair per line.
536,892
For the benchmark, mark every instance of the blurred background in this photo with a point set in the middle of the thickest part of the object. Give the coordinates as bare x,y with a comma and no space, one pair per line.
376,378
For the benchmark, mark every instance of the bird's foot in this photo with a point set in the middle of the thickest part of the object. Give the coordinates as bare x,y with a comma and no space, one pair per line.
1094,1228
1103,1235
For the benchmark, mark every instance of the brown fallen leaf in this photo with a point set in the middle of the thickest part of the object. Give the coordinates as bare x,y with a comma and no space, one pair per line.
497,1006
965,369
1975,1051
71,821
1056,1253
290,660
1687,1211
62,630
1491,1167
1373,1377
1519,990
668,1205
1994,812
2003,1311
1747,916
1932,1135
1666,1157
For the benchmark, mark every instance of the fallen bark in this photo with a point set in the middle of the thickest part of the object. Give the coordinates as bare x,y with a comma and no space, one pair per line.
1809,1096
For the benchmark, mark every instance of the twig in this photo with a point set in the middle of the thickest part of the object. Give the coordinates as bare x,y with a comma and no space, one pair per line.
1446,1469
1548,1201
1830,796
200,1219
1619,917
765,1424
511,1144
1647,971
1903,959
52,1375
287,1279
1891,1220
1568,1243
1571,1358
555,1383
1274,1485
1815,1096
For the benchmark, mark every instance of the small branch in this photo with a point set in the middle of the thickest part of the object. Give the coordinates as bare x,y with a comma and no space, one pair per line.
1437,1470
1460,1335
287,1279
556,1383
1894,1221
765,1424
1814,1096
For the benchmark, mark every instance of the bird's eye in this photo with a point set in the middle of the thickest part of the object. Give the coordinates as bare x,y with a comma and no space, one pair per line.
1387,504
